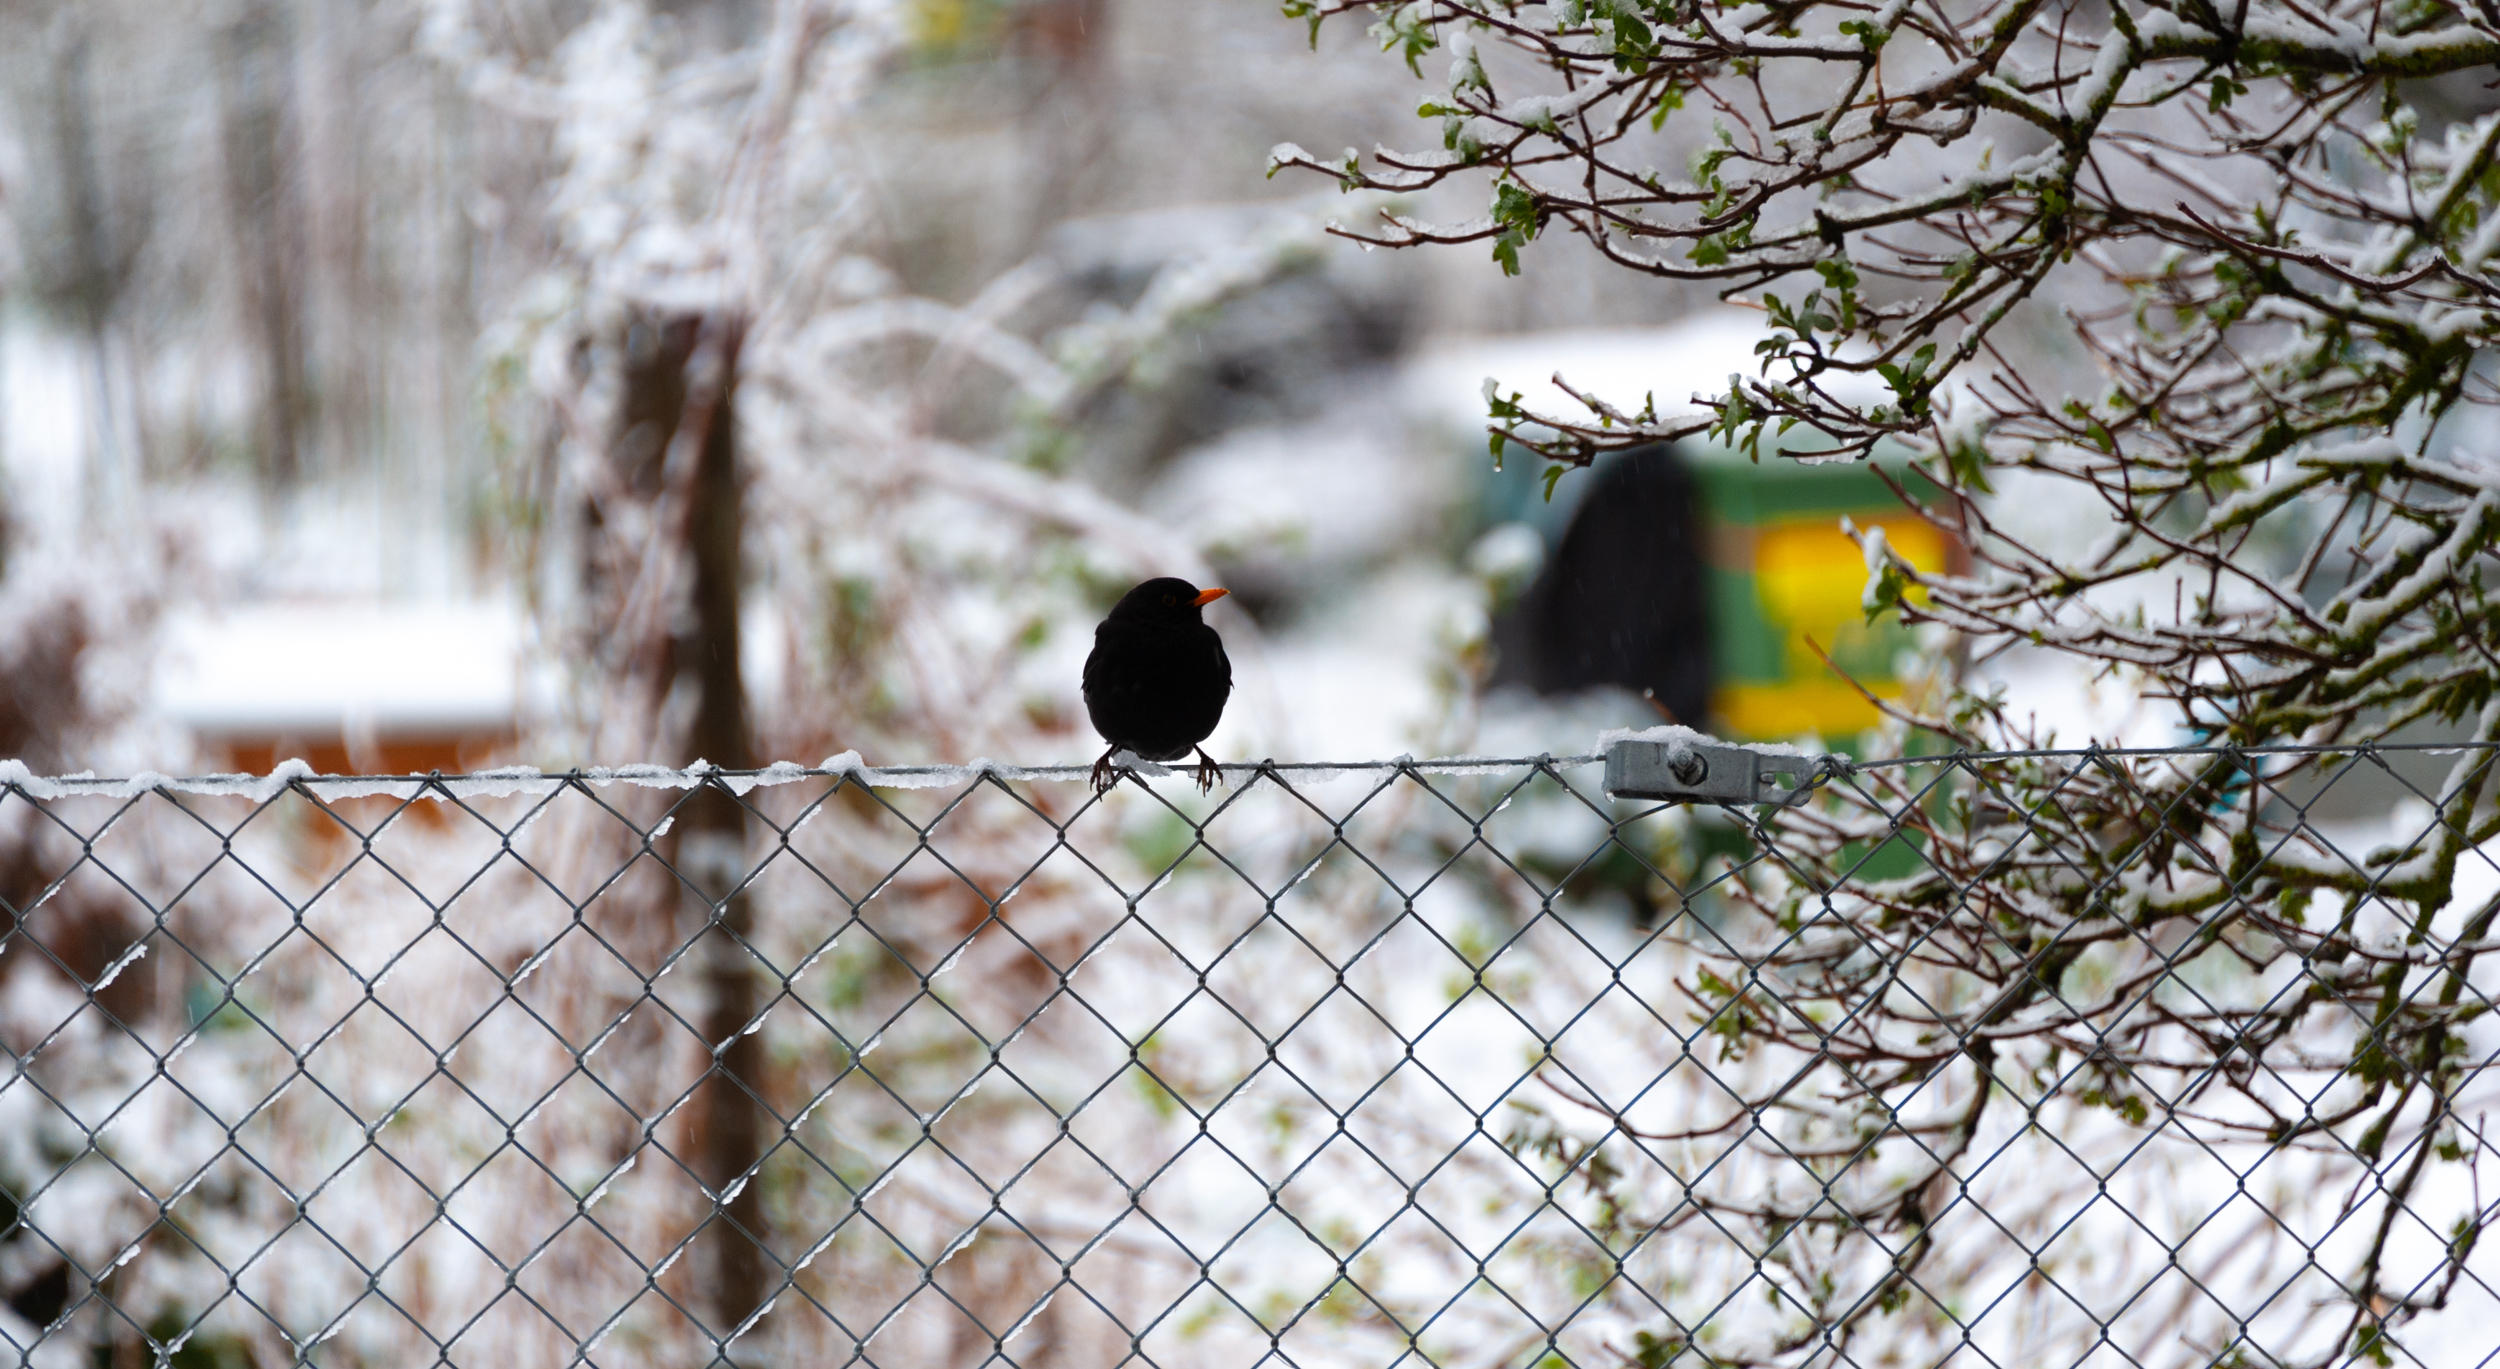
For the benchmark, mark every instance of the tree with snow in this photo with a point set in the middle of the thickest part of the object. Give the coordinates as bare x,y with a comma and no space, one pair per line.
2213,283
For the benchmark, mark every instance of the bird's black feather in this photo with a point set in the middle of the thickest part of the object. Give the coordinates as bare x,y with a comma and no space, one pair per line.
1158,678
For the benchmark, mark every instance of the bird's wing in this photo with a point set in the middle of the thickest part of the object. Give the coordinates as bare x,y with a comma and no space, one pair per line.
1100,677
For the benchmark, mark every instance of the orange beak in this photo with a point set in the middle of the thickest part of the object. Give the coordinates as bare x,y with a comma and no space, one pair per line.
1208,596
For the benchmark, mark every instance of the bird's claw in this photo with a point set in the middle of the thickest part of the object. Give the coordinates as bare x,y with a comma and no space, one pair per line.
1105,774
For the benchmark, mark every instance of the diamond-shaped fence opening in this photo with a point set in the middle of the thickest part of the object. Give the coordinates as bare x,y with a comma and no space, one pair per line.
2095,1057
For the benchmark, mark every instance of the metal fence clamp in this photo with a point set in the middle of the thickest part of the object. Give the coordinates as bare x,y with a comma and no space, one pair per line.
1682,770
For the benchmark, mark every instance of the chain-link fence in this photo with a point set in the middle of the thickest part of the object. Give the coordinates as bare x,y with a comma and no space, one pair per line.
2171,1058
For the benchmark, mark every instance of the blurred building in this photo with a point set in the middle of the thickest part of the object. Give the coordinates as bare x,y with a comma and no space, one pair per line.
352,687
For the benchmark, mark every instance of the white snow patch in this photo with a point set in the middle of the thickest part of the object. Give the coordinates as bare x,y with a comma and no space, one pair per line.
395,667
137,951
1445,384
1671,733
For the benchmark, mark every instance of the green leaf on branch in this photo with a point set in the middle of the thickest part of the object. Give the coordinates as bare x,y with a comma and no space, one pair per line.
1519,215
1966,463
1884,596
1715,249
1634,45
1739,426
2092,427
1404,31
1669,100
1908,381
1506,250
1515,207
1307,10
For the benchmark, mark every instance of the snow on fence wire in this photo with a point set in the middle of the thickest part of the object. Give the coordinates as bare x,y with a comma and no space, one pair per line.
2158,1058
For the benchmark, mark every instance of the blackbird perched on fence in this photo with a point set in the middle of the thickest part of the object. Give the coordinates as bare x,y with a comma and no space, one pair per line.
1157,679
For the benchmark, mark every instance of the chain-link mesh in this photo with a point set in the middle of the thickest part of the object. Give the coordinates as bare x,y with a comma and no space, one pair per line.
2055,1058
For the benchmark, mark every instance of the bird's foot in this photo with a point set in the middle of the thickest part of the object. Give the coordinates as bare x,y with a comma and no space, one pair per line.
1208,772
1105,773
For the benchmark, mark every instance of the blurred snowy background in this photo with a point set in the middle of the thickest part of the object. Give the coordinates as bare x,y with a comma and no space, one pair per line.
348,357
356,365
318,389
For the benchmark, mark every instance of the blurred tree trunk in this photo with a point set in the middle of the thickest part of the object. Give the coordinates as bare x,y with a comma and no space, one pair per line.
678,424
450,330
98,272
1069,41
255,89
9,514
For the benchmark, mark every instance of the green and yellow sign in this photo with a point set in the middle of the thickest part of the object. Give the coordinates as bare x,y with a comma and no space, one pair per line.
1784,579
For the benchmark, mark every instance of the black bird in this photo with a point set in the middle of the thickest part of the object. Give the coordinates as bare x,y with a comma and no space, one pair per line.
1158,678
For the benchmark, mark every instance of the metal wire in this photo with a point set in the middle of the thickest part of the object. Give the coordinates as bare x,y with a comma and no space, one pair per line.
2160,1057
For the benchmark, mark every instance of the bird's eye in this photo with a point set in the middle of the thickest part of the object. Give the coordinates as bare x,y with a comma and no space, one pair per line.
1169,601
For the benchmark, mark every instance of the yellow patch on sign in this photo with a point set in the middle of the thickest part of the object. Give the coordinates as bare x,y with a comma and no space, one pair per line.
940,23
1810,579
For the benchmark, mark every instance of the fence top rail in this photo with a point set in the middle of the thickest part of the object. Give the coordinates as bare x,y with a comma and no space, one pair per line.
504,781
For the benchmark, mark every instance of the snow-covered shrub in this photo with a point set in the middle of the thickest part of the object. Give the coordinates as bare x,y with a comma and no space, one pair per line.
2188,311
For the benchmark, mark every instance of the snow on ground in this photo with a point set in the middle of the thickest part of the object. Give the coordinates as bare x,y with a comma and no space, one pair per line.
1357,673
